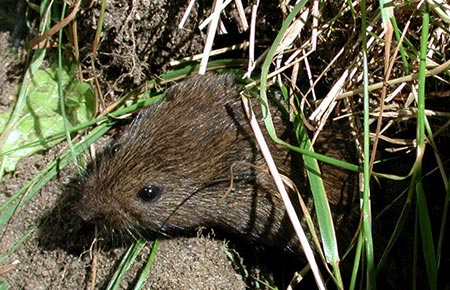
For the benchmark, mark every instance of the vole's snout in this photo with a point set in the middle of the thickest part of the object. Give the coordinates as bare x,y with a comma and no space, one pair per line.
112,220
98,212
87,214
93,219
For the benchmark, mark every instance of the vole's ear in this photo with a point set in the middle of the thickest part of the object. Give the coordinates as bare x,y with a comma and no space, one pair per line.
150,193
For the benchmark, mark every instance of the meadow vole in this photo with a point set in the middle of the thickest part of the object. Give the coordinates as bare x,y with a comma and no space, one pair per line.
170,171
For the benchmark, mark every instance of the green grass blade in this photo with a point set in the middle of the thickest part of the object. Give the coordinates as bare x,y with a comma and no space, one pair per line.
426,236
323,211
366,229
422,209
62,102
146,271
125,264
11,250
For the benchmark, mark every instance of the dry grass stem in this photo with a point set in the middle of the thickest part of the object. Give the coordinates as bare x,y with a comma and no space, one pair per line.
212,29
186,14
284,195
241,12
251,50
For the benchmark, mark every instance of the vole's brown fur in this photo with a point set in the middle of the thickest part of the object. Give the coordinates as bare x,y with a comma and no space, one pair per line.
169,171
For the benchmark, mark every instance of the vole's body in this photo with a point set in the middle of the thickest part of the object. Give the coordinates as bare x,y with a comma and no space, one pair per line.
185,147
170,170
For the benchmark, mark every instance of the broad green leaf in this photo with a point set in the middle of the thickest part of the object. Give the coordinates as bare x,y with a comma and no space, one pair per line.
4,285
41,115
3,120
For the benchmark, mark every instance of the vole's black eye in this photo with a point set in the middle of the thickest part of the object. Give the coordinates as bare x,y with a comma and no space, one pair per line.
113,148
150,193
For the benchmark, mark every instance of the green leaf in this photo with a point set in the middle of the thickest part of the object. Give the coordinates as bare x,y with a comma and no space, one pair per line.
3,120
4,285
40,117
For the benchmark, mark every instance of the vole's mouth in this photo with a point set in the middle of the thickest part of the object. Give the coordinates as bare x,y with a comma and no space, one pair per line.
87,216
